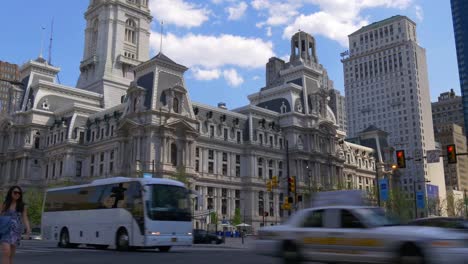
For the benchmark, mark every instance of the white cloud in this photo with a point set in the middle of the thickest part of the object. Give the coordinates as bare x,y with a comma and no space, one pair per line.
256,77
325,24
233,78
279,12
419,13
211,52
335,19
236,11
179,13
206,75
268,32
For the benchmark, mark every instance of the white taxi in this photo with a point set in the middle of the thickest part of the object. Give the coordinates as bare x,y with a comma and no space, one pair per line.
359,234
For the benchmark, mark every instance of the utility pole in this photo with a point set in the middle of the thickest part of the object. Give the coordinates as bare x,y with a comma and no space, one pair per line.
287,172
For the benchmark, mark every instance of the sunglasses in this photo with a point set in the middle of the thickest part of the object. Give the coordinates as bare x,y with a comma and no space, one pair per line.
16,192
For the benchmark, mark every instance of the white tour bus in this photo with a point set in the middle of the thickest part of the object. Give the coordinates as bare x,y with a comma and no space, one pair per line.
125,212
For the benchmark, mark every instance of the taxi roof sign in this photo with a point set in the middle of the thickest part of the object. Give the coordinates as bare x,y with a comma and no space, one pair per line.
341,198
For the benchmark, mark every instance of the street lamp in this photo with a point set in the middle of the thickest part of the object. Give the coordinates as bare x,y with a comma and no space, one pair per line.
415,196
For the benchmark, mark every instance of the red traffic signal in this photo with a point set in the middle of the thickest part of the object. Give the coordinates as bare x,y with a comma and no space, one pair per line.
451,154
401,160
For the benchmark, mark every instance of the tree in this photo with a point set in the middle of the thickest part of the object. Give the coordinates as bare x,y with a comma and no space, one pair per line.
214,218
399,205
34,199
237,217
181,176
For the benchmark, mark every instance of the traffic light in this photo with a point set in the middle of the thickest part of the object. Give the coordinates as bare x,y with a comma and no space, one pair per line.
286,205
401,160
292,184
269,185
451,154
274,182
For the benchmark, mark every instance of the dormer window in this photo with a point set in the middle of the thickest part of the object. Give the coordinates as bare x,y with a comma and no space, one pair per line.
130,31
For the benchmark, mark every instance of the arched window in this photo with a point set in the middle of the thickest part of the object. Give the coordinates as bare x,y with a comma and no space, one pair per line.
174,154
36,141
175,105
130,31
135,101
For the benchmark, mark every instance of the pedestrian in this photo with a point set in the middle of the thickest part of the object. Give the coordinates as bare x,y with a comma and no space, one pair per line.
14,207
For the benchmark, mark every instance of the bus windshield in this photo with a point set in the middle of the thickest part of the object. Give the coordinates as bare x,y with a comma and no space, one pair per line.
169,203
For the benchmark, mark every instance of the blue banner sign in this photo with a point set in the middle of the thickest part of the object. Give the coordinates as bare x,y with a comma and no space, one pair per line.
432,191
147,175
383,187
420,199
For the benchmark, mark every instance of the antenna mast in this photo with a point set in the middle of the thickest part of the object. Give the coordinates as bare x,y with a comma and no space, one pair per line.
162,29
50,43
42,40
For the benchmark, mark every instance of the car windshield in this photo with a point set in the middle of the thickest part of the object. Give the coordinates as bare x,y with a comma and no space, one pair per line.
169,203
377,217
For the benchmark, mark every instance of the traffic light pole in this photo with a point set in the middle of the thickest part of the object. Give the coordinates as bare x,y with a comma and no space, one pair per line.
287,172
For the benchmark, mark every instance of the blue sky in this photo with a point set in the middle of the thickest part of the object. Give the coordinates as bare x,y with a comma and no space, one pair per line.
226,43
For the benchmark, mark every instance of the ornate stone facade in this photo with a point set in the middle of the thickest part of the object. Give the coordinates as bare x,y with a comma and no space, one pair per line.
65,133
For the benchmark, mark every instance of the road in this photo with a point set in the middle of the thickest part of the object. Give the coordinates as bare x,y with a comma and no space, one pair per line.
38,252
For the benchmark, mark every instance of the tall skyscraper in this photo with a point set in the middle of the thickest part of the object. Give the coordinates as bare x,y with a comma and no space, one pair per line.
338,105
9,93
448,110
386,85
460,24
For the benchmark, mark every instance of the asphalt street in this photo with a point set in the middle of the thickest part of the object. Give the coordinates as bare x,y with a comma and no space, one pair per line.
38,252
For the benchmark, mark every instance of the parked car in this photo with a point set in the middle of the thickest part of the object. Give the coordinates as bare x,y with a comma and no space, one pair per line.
443,222
35,234
201,236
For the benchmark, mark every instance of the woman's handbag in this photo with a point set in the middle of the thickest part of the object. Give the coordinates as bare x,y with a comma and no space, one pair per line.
5,225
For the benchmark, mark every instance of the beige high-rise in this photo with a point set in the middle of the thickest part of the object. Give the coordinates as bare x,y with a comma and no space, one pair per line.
386,85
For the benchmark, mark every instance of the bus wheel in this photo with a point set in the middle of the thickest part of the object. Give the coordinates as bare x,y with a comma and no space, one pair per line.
164,249
64,241
122,240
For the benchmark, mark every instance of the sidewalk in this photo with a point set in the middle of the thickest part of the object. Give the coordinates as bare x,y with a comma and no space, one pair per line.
234,243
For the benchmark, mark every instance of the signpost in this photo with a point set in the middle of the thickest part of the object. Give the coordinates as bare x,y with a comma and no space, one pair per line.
433,156
420,199
383,186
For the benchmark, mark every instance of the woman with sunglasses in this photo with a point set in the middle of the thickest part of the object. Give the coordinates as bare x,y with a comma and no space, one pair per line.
14,207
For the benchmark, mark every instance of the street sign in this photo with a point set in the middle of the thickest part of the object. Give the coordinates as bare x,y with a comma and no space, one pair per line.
147,175
420,199
433,156
383,187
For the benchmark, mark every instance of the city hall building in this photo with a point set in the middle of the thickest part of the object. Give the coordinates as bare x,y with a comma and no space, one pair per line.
131,115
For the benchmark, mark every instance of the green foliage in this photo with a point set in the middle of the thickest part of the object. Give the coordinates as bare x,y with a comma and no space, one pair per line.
237,217
34,199
399,205
214,218
181,176
62,183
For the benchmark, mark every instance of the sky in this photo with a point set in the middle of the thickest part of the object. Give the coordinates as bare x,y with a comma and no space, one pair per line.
226,43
